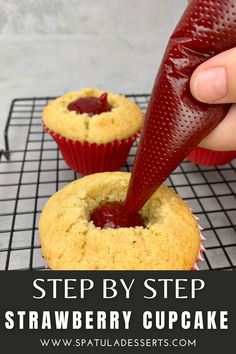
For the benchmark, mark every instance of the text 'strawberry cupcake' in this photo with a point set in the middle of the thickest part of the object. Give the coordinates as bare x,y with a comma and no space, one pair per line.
208,157
165,234
94,130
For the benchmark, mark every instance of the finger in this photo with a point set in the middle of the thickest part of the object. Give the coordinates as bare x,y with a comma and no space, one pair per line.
223,137
214,81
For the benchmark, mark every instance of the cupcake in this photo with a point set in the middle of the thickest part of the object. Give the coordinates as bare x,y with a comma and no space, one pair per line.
169,240
211,158
94,130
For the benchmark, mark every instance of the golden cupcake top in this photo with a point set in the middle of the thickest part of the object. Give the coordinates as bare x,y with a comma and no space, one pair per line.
121,120
170,239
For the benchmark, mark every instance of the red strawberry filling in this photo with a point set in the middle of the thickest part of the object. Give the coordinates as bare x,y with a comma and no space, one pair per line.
112,215
90,105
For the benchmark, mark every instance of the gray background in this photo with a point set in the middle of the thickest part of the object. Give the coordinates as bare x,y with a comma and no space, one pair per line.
48,47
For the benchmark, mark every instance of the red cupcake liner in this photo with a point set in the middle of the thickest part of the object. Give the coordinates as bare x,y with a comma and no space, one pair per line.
202,249
199,257
86,158
211,158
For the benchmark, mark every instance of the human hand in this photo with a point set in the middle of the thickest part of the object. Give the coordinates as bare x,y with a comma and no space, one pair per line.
214,82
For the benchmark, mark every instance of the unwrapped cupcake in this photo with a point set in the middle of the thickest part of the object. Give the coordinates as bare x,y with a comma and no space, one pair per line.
94,130
168,240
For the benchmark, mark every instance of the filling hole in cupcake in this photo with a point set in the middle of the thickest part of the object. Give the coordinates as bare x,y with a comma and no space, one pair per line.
113,215
90,105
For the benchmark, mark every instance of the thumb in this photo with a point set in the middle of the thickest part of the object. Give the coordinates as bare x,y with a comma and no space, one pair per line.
214,81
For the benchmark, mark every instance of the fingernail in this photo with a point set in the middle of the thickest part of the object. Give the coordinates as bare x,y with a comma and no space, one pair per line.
211,85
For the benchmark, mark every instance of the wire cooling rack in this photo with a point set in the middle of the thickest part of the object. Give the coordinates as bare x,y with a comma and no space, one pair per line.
32,169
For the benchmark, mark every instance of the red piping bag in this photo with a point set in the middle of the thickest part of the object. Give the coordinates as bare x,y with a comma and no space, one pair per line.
175,122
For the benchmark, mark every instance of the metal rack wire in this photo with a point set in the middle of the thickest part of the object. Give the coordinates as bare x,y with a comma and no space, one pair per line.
32,169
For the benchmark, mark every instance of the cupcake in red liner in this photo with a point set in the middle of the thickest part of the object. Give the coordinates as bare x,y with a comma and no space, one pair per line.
93,130
211,158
